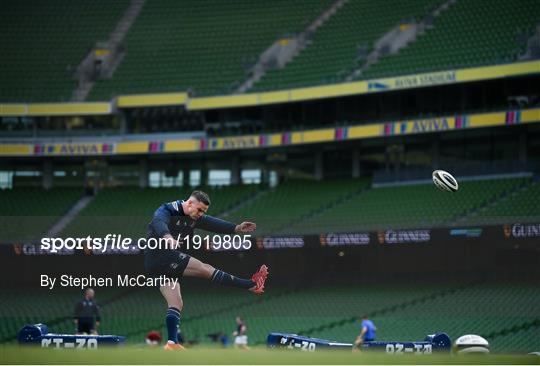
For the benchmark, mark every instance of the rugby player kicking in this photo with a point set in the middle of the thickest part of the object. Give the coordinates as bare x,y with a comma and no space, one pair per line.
179,219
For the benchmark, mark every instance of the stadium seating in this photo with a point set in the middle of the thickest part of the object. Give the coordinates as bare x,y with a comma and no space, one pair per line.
412,206
522,205
205,47
301,200
400,312
298,310
43,42
348,205
209,48
469,33
482,309
34,209
127,211
467,313
333,53
518,341
20,307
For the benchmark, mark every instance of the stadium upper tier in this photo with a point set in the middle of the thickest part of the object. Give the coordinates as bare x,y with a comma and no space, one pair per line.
400,312
333,53
469,33
210,47
203,46
43,42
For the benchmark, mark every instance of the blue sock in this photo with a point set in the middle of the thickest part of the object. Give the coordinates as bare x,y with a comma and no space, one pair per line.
173,321
225,279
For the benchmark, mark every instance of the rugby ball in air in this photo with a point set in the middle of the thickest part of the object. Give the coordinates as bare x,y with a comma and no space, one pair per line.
471,343
445,181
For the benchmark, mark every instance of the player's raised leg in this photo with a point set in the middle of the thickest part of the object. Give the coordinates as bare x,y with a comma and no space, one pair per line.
173,296
196,268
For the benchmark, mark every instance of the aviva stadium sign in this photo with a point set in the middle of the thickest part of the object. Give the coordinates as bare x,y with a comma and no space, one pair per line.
273,97
414,81
271,140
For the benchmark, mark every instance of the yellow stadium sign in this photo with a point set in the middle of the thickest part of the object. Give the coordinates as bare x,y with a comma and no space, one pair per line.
74,149
367,86
280,96
324,135
149,100
56,109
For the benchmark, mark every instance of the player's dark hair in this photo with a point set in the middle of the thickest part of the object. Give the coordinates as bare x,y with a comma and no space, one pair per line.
201,197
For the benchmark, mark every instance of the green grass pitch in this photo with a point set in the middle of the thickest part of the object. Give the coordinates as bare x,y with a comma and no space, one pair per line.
136,355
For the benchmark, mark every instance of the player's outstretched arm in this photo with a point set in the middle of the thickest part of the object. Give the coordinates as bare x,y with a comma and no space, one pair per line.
220,226
246,227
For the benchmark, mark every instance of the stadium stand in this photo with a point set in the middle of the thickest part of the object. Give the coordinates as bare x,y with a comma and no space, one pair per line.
35,209
406,207
171,48
469,33
19,308
44,42
348,205
460,312
522,205
333,54
128,211
401,312
518,340
206,48
300,198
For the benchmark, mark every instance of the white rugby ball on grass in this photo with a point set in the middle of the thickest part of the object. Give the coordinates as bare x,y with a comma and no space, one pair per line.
445,181
471,343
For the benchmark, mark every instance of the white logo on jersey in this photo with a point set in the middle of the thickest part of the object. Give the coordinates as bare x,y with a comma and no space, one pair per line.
175,205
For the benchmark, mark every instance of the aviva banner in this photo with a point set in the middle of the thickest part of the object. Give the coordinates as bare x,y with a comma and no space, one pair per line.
368,86
280,96
324,135
71,149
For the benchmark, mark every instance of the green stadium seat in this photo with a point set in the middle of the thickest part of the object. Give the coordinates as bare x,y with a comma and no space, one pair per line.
35,209
400,312
402,207
129,210
334,48
206,47
301,198
44,42
469,33
522,205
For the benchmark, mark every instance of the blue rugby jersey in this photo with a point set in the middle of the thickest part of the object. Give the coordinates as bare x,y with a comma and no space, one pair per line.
169,218
371,329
